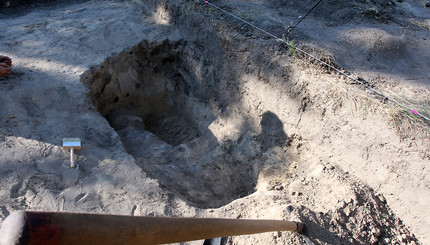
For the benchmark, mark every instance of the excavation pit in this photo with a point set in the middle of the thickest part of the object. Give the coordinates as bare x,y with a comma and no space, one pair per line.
203,117
152,101
143,88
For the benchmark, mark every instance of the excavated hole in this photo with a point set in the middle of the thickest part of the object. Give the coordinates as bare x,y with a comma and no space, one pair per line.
143,88
147,95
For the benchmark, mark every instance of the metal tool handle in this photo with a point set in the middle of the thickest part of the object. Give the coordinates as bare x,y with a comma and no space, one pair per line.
72,158
37,228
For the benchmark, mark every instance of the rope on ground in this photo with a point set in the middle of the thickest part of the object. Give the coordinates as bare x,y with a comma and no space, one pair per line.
290,29
361,81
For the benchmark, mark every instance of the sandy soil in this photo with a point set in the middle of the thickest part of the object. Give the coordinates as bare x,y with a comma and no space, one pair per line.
184,111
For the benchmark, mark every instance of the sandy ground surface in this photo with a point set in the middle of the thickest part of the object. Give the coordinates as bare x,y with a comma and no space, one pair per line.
184,111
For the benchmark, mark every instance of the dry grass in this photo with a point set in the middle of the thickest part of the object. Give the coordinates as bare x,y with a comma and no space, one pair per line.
407,124
363,100
319,53
359,97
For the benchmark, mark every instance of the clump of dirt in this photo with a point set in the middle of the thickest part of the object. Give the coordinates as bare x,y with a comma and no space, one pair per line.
351,214
361,217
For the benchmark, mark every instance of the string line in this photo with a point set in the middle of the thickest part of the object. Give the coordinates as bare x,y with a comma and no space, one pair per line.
321,61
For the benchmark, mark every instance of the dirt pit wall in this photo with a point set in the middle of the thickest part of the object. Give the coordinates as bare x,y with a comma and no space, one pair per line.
222,122
162,113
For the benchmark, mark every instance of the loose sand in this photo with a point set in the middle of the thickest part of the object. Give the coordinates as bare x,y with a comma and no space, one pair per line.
184,111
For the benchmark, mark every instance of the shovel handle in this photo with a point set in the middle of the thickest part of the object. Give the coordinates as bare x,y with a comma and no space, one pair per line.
37,228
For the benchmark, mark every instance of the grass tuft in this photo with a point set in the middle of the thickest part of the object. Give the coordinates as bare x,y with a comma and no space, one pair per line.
407,124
